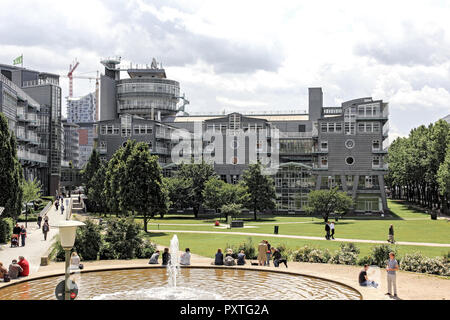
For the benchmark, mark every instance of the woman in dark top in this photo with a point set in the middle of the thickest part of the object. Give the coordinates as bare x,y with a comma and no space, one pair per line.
166,257
16,229
241,258
218,261
23,234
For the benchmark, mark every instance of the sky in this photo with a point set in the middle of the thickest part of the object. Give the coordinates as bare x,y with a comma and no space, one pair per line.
242,56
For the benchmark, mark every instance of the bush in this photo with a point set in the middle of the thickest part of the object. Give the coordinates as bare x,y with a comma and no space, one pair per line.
88,241
6,227
347,254
248,247
123,237
366,260
416,262
380,255
308,254
146,250
285,253
107,252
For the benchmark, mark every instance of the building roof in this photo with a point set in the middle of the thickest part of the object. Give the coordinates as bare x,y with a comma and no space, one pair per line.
447,118
268,117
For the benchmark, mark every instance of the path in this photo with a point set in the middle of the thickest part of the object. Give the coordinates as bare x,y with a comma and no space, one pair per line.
35,245
267,235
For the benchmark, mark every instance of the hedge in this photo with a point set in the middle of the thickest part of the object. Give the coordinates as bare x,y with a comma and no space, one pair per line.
6,227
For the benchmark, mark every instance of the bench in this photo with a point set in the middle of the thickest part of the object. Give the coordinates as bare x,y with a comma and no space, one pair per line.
237,224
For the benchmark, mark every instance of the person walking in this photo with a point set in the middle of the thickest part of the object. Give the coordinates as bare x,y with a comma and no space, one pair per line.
23,234
392,268
332,230
327,230
268,253
57,204
45,229
262,249
39,221
391,234
62,208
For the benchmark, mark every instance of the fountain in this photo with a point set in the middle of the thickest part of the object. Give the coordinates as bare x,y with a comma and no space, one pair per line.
175,283
173,268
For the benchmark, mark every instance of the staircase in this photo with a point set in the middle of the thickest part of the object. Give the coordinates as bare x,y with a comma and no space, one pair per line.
77,206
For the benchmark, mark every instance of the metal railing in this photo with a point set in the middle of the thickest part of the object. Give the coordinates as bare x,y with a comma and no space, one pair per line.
19,91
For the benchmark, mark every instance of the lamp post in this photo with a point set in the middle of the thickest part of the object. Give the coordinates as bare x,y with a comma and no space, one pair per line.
67,232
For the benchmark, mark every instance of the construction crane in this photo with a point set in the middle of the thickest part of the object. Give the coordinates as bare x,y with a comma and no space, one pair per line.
70,76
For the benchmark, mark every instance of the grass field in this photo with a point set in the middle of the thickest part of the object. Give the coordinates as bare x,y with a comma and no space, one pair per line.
409,225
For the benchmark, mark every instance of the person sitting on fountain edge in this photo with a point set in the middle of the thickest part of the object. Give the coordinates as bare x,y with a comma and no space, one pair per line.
241,258
165,257
218,261
364,280
185,259
154,258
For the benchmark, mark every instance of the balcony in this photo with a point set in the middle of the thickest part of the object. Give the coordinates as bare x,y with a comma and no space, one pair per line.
31,156
316,166
379,151
103,150
296,135
162,134
381,167
161,150
319,150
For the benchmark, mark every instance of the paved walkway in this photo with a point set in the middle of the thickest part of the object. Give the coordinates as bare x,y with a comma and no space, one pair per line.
267,235
35,245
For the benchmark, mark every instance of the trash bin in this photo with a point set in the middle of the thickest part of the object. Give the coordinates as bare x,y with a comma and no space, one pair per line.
433,216
275,229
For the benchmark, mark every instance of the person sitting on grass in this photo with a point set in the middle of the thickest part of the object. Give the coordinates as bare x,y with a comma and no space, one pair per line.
241,258
218,261
154,258
277,259
185,259
165,257
364,280
14,269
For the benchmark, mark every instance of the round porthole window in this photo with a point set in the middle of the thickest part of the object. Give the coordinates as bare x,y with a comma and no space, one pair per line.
349,161
349,144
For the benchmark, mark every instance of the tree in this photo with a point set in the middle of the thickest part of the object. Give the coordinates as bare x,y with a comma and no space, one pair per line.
88,241
142,188
260,187
231,209
180,192
212,194
325,202
11,174
31,190
95,192
443,179
199,173
90,168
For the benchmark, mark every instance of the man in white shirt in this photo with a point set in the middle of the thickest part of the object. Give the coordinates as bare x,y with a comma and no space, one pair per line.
185,259
332,230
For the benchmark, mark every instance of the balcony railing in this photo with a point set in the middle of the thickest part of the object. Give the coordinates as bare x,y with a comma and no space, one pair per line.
384,166
161,150
316,166
103,150
31,156
19,92
296,135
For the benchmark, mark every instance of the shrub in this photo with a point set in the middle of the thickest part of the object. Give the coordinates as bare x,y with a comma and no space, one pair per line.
88,241
380,254
307,254
248,247
366,260
107,252
146,250
302,254
6,227
347,254
123,237
416,262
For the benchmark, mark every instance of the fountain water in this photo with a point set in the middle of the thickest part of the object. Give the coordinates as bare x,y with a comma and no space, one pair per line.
173,268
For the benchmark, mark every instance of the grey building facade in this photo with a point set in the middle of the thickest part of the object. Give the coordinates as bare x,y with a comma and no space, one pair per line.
343,146
34,99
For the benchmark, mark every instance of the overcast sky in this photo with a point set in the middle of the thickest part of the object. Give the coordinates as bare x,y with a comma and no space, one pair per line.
250,55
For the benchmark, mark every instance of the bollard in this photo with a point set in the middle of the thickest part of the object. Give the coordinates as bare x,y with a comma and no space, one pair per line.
275,229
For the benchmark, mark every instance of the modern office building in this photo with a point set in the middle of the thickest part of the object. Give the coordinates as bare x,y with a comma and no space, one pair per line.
83,111
71,148
33,98
343,146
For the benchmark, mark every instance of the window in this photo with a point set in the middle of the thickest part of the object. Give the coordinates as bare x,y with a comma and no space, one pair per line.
331,127
376,145
324,146
349,160
234,179
376,162
324,162
301,128
103,130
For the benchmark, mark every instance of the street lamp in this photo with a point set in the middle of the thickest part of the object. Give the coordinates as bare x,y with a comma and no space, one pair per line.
67,232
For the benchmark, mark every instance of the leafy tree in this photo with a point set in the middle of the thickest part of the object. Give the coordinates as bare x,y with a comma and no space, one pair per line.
11,174
325,202
231,209
443,180
199,173
95,191
180,192
212,194
260,188
90,168
31,190
123,238
143,190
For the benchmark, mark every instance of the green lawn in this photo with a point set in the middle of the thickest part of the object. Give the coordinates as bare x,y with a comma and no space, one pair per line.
414,230
207,245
